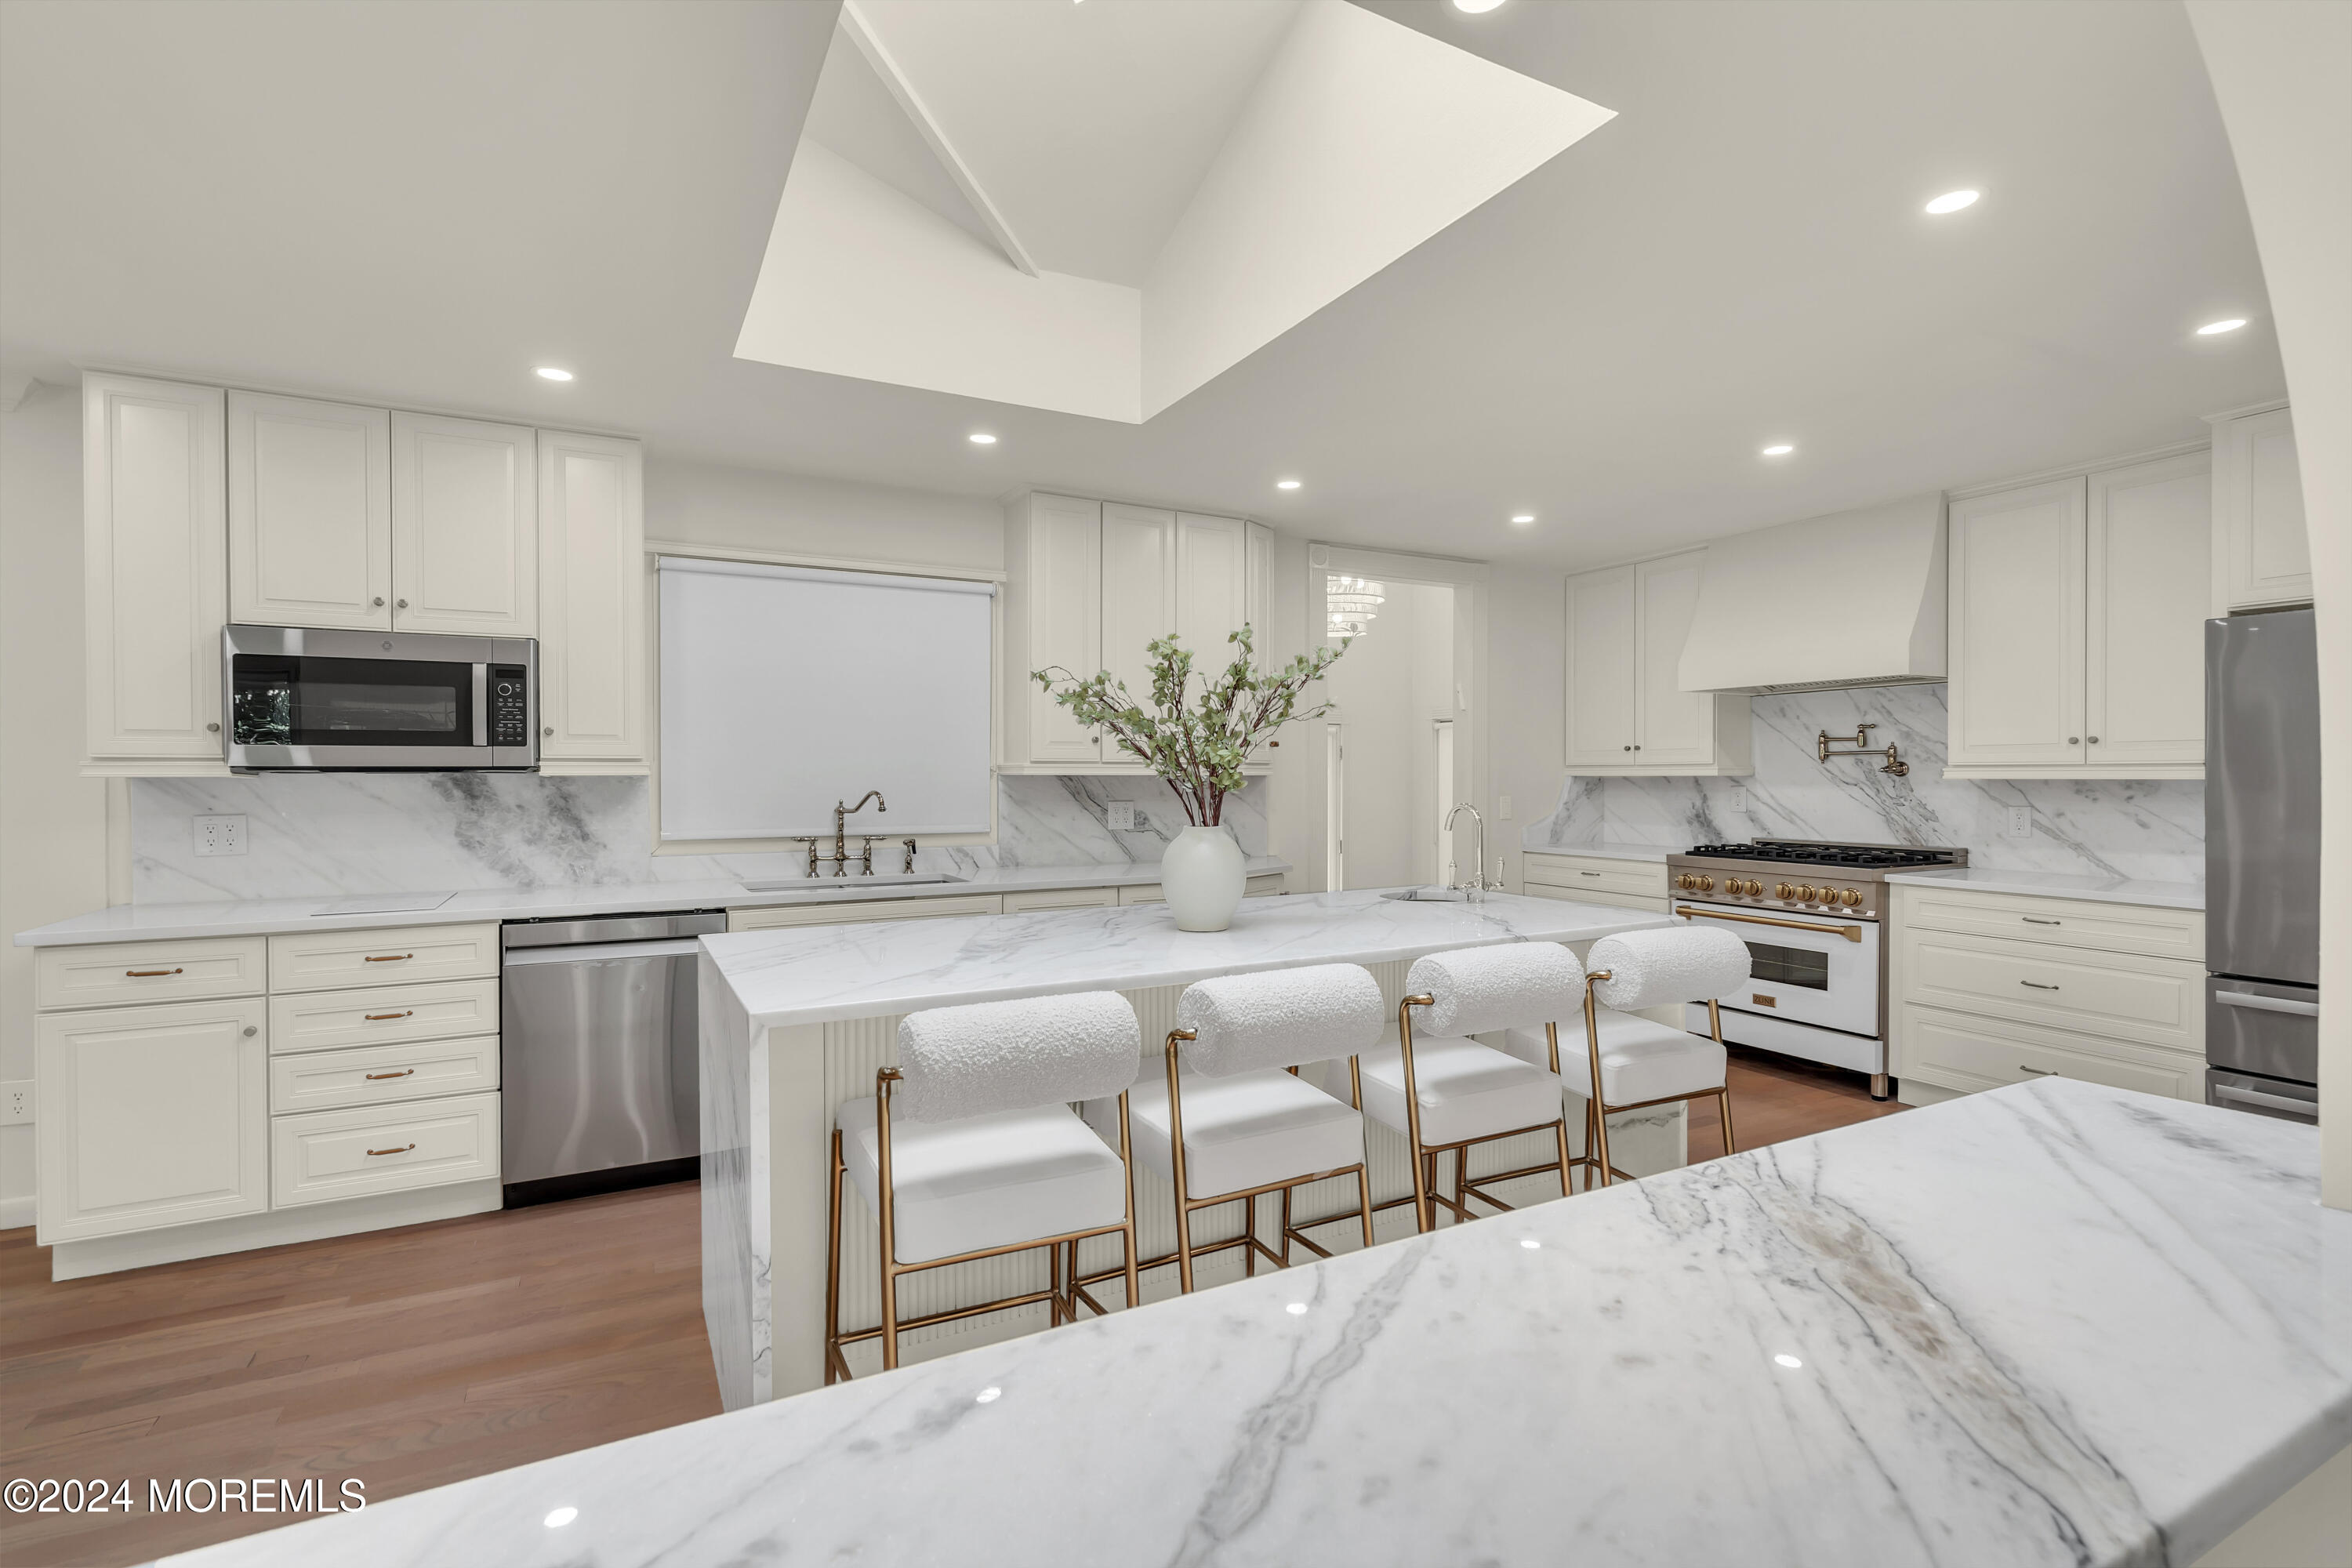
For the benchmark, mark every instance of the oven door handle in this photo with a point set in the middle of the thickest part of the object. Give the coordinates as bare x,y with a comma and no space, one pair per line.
2260,1003
2306,1108
1851,934
481,705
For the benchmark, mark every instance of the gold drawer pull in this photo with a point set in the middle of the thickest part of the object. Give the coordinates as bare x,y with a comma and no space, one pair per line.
386,957
380,1077
148,973
2039,1072
380,1017
2037,986
2038,921
404,1149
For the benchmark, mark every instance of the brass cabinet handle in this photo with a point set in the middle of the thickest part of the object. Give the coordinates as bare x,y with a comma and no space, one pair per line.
148,973
1851,934
386,957
377,602
380,1017
404,1149
380,1077
400,604
1588,873
2044,1072
2037,986
2038,921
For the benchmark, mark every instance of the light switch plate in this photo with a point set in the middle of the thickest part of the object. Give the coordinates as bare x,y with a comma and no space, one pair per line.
1122,815
222,835
1503,808
2020,822
16,1101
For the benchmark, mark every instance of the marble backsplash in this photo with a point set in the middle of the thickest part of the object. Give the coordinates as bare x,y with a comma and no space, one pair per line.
2153,829
335,834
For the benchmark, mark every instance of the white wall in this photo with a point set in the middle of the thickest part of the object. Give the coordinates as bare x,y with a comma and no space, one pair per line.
2279,69
52,820
704,503
1527,626
1391,685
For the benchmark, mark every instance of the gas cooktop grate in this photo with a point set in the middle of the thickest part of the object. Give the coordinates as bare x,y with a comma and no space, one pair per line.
1860,858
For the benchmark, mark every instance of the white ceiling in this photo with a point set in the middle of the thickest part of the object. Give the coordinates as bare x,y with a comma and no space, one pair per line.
417,203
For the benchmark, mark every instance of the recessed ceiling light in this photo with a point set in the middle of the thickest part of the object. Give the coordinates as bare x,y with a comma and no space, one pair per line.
1286,484
559,1518
1475,6
1524,518
1952,202
1779,449
981,439
548,373
2210,328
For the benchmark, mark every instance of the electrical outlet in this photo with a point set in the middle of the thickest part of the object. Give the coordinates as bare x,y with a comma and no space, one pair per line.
2020,822
1739,802
1501,808
220,834
1122,816
16,1101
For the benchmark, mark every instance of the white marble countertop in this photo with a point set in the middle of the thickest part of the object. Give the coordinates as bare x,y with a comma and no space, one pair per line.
262,917
1657,852
2056,1323
809,975
2060,885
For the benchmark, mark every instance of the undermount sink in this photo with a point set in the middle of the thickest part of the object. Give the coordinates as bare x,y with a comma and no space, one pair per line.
879,879
1428,895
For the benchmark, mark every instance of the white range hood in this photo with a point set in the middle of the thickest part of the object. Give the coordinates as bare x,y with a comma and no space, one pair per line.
1856,598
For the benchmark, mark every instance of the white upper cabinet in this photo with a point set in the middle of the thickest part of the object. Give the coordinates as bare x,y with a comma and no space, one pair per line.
2077,641
464,527
155,581
1139,595
2149,563
1053,552
1626,714
2262,555
592,601
1212,588
310,513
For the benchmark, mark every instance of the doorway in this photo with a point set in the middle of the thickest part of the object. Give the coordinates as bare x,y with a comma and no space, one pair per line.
1391,750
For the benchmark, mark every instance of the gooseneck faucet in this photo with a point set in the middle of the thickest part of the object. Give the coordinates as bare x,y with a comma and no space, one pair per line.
840,856
1477,887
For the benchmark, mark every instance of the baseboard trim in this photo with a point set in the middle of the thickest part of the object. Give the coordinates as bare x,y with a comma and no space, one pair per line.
17,1212
246,1233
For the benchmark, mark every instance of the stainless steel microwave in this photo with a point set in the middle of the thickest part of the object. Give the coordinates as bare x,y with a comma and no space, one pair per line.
302,698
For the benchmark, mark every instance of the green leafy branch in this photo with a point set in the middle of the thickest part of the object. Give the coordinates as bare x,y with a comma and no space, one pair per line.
1198,746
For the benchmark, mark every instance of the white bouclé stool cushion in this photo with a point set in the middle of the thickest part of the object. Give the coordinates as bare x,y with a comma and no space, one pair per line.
1640,1059
1466,1090
985,1181
1241,1129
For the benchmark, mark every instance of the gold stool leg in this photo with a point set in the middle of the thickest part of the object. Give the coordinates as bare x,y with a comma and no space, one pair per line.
1599,1108
1421,1181
1126,1233
832,1266
1176,1164
1722,1095
882,1082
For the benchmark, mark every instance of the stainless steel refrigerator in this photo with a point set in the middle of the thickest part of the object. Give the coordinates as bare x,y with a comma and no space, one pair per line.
2262,864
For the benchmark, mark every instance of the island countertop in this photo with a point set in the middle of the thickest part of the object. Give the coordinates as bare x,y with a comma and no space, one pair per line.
814,974
2052,1324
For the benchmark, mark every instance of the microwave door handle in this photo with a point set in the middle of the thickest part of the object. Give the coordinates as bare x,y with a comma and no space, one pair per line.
2266,1003
481,704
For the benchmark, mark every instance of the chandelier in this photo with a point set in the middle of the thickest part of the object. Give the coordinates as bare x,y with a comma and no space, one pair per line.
1350,604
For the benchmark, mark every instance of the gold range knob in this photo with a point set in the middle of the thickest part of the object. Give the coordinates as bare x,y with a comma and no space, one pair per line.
1783,892
1693,882
1807,892
1850,898
1746,890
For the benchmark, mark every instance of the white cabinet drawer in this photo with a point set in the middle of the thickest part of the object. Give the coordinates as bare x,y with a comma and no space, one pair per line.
2146,930
122,972
1657,906
323,1020
878,910
1263,885
327,960
2156,1001
1955,1051
1573,875
381,1075
1060,899
332,1154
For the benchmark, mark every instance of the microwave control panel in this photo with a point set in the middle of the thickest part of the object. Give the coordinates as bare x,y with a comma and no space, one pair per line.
509,687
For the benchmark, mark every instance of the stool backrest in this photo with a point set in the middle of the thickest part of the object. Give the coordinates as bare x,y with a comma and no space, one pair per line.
1682,964
1280,1017
1015,1056
1510,987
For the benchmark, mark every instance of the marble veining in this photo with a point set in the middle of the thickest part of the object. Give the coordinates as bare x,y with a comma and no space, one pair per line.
810,974
2142,830
2053,1324
319,834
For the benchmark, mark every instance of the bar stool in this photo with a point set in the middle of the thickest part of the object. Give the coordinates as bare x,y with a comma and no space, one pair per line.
1642,1063
981,1155
1447,1092
1231,1124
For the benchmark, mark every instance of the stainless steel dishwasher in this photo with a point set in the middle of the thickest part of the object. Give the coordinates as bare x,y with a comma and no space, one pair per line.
599,1061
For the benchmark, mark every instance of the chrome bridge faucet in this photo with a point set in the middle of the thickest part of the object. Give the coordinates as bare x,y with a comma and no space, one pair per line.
840,856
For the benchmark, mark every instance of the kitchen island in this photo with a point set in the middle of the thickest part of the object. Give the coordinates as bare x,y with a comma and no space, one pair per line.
794,1022
2055,1323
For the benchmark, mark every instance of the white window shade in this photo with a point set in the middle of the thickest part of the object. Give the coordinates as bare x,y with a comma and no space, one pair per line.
786,688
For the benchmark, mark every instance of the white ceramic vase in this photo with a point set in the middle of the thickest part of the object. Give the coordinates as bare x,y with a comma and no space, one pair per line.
1202,875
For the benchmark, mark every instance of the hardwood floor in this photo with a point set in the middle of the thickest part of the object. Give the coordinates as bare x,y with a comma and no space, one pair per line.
406,1359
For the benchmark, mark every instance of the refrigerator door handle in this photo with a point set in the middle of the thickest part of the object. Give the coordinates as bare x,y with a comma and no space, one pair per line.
2303,1108
2266,1003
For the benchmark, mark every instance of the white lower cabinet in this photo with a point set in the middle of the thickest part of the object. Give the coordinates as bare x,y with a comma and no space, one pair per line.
379,1074
152,1116
372,1148
1596,879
